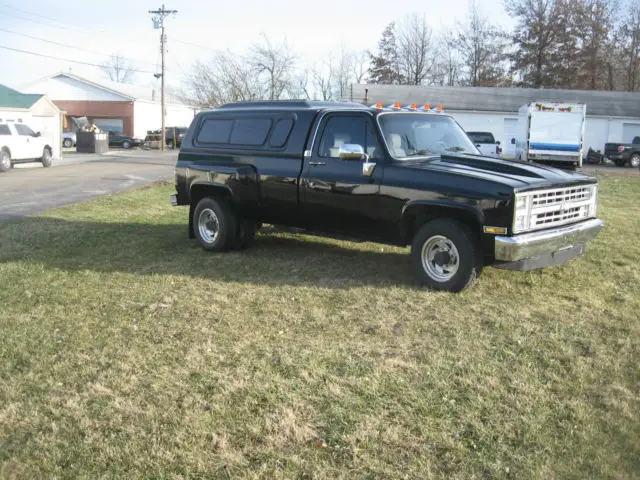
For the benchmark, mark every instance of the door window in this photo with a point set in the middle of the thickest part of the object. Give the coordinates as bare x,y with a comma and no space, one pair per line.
343,129
4,130
24,130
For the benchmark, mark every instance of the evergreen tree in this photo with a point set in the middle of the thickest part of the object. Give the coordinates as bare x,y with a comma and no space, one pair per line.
385,65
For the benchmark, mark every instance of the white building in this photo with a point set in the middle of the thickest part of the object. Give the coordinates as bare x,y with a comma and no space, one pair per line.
129,109
611,116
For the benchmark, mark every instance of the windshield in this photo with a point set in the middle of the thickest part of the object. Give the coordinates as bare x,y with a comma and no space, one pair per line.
423,135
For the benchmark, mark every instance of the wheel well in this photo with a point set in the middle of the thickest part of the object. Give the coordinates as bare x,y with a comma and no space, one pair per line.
197,193
6,149
417,216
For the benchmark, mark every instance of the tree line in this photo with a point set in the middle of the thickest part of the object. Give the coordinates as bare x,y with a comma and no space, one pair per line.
567,44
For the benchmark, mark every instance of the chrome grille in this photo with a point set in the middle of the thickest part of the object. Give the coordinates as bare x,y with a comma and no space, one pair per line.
560,206
563,195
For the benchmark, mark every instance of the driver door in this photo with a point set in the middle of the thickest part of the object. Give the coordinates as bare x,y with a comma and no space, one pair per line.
336,195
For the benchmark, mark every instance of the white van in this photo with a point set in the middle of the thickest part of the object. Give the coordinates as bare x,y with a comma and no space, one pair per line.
551,133
20,144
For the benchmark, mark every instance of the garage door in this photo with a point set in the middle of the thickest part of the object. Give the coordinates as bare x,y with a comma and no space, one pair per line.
111,124
510,131
630,131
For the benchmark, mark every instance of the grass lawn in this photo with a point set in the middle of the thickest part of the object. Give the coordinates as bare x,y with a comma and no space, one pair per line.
127,351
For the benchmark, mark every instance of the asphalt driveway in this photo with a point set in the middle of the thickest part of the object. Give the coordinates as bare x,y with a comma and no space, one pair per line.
30,188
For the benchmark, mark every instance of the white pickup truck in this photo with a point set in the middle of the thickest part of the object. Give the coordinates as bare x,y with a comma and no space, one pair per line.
20,144
486,143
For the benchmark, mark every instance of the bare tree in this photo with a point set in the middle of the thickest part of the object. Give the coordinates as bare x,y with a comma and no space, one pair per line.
448,68
414,43
359,66
119,69
628,40
301,87
323,76
226,78
539,37
275,64
481,48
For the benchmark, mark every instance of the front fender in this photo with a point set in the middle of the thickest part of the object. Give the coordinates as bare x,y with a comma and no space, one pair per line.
466,209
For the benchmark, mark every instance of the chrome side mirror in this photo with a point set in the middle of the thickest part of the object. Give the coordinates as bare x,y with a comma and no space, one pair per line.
351,151
368,167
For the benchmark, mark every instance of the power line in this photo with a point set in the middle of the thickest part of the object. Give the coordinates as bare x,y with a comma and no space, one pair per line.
65,59
194,45
69,46
49,18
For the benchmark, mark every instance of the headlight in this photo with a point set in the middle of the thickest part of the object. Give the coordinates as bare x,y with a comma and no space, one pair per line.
521,212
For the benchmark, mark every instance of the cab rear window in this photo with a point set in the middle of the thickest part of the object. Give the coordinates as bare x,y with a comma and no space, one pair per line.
215,131
248,131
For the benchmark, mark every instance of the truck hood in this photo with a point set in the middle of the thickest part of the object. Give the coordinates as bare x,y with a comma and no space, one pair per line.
518,175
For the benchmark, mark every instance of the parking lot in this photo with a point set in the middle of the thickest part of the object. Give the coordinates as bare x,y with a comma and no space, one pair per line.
29,188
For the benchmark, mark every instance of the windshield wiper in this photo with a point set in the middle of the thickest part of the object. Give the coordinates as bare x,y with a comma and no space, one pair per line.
455,149
421,152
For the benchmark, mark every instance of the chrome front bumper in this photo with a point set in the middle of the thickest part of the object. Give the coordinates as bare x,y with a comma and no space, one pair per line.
546,242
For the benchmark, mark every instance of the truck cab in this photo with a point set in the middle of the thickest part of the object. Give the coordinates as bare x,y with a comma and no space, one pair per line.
401,175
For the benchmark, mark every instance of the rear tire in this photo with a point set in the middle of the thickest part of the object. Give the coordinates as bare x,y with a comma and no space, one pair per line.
446,256
214,224
47,158
5,161
67,143
126,145
245,233
634,161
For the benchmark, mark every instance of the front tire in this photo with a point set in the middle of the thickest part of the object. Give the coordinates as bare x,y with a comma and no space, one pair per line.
214,224
446,256
47,158
67,143
634,161
5,161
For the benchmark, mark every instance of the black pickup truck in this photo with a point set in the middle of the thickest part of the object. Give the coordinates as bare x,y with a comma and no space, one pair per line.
624,153
395,175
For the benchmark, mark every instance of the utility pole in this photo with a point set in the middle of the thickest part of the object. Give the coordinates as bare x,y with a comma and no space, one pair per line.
158,23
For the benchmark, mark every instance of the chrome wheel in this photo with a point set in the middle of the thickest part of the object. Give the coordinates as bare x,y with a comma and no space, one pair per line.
208,225
635,161
440,258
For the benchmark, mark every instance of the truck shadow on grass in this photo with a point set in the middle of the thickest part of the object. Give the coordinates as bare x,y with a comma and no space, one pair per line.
150,249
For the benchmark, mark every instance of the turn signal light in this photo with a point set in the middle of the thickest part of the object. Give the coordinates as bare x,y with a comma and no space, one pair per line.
495,230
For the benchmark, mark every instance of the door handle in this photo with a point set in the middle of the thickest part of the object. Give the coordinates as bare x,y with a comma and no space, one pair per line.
317,186
318,164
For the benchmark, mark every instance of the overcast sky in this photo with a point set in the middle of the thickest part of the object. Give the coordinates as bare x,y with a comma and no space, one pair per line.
313,29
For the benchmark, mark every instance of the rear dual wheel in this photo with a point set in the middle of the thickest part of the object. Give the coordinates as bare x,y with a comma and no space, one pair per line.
217,228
